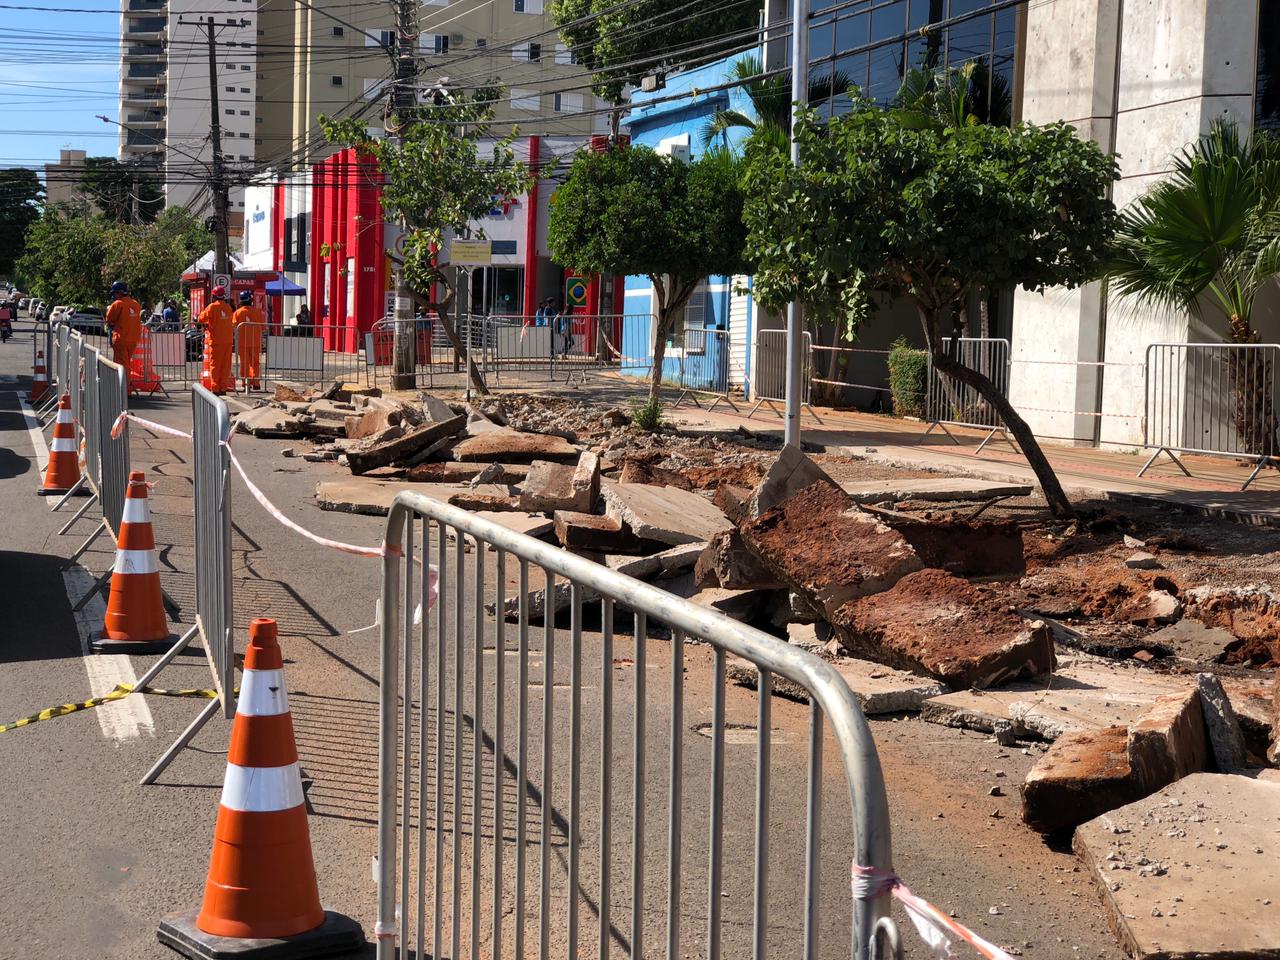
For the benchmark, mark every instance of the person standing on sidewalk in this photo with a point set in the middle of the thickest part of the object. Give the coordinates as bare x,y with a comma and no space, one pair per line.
124,320
219,332
249,324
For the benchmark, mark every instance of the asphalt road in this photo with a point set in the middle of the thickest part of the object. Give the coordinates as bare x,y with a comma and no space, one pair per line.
91,860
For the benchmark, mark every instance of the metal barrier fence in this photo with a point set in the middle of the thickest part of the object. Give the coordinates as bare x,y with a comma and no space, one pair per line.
427,351
949,402
854,370
575,345
704,366
769,369
322,352
1212,398
464,753
112,452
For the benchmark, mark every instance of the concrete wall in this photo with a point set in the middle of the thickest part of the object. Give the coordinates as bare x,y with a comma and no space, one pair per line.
1143,78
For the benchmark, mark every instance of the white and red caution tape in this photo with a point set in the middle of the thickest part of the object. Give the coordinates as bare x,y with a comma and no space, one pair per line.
936,929
149,424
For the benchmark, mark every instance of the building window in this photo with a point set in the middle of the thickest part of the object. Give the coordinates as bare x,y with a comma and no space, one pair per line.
437,43
229,113
245,67
335,81
524,99
567,102
337,31
258,141
244,113
231,89
535,52
244,89
527,6
564,56
1267,99
481,43
243,135
257,120
380,38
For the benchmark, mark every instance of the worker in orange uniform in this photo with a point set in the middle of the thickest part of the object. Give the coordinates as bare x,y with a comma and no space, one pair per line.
249,324
219,333
124,319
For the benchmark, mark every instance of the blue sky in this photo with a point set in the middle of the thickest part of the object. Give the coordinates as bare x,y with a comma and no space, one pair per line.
58,70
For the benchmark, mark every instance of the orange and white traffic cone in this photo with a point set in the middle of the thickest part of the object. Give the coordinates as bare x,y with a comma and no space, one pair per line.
39,381
142,372
63,471
261,897
135,621
206,373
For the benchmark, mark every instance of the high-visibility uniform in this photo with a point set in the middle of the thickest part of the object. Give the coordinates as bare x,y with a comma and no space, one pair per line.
219,332
124,317
249,324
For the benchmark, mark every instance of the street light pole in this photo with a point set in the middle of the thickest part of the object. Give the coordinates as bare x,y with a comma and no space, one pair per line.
795,318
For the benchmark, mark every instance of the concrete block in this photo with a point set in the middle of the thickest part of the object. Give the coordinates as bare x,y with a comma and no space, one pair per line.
879,689
1081,776
726,562
505,445
788,475
376,452
589,531
1225,735
665,514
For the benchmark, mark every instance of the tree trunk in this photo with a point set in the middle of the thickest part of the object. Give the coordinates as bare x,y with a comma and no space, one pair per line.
451,332
671,301
1251,375
1054,496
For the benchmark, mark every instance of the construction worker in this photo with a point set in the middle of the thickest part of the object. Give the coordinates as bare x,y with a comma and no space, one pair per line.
249,324
124,319
219,333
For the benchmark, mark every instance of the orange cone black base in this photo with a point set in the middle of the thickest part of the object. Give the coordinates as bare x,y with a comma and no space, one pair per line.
63,471
261,897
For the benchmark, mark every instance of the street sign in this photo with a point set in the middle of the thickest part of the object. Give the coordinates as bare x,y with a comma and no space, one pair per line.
222,280
575,292
477,253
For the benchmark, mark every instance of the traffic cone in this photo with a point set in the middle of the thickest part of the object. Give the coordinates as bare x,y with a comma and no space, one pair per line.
261,898
39,381
135,621
63,471
206,373
142,372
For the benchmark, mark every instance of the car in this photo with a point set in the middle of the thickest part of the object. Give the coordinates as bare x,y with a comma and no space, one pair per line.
86,320
42,312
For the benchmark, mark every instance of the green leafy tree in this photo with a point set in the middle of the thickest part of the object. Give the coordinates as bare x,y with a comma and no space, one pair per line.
1208,237
123,192
21,197
65,255
150,259
438,182
629,211
930,214
620,43
770,99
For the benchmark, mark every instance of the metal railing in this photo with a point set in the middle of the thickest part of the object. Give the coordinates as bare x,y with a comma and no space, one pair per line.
1212,398
769,370
575,345
948,402
533,770
704,366
318,353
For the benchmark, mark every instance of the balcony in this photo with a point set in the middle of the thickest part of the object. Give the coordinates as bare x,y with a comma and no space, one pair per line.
144,97
143,53
145,6
146,71
148,118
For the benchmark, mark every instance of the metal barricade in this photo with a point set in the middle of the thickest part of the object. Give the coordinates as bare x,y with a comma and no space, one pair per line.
90,428
319,353
113,453
511,772
853,376
577,345
704,366
174,358
769,370
949,402
1212,398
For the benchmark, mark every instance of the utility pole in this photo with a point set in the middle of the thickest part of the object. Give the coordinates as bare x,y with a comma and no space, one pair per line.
221,254
403,101
795,318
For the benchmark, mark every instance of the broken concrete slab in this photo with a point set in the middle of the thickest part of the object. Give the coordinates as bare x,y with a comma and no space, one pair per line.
434,410
1225,735
726,562
505,445
372,453
1192,870
936,623
374,497
589,531
828,548
530,524
970,548
1142,561
586,479
450,471
1191,640
293,392
879,689
1082,775
665,514
735,604
931,489
560,486
1169,742
331,410
364,425
267,421
478,500
787,476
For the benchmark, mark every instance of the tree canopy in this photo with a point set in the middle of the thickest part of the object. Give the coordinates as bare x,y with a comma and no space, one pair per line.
929,211
112,187
622,42
21,197
630,211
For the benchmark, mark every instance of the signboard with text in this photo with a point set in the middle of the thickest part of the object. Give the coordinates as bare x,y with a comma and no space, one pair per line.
477,253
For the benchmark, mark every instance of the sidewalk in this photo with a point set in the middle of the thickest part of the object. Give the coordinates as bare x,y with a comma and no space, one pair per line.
1213,488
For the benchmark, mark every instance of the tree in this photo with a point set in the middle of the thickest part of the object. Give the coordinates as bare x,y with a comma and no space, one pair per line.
930,213
64,259
770,99
1209,235
436,178
21,197
620,43
630,211
122,192
150,259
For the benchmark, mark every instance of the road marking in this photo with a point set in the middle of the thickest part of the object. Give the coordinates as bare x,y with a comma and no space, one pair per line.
125,719
35,432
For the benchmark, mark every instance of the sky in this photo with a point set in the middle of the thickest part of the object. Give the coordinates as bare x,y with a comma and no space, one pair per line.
58,70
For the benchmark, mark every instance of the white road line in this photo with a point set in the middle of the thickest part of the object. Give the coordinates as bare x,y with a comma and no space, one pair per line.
35,432
125,719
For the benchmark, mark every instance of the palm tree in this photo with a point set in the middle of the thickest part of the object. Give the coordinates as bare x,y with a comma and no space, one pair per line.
1209,234
770,102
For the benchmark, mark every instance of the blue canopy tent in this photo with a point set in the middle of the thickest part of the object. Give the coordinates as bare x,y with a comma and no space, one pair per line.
284,287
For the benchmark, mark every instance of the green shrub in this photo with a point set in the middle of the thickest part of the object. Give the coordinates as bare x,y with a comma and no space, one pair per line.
647,415
908,371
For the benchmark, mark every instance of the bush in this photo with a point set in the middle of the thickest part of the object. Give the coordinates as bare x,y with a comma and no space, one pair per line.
908,372
647,415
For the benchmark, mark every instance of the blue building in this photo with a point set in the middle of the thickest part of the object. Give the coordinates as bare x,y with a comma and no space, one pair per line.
716,321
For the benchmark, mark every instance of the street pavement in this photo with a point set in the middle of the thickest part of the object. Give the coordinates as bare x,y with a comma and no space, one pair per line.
92,861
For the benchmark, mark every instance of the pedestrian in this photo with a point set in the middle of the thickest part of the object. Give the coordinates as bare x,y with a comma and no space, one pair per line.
539,318
170,315
218,332
564,329
124,320
304,321
249,324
